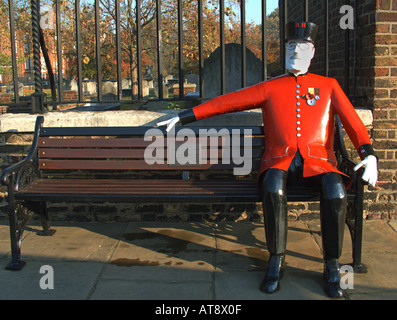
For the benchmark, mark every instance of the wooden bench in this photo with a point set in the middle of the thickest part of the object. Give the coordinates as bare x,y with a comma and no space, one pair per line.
117,164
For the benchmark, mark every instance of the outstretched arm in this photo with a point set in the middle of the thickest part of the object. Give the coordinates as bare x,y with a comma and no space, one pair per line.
244,99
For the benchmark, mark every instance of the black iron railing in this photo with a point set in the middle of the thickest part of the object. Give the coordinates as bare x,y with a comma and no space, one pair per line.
57,81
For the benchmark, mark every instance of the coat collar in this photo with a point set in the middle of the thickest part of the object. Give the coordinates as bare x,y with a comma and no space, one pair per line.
299,75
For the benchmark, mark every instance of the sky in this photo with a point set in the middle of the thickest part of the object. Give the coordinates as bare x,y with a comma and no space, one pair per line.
254,12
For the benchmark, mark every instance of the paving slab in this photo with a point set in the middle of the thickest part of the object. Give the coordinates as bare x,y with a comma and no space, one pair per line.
297,284
167,245
153,290
71,281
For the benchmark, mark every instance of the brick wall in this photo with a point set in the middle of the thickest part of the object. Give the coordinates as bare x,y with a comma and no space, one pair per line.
385,106
369,53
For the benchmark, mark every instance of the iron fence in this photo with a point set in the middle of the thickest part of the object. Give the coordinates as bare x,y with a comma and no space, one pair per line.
56,77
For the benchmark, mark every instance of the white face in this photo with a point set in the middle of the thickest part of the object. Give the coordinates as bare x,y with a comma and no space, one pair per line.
298,56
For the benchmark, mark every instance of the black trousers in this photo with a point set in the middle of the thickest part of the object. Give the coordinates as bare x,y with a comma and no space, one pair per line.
333,204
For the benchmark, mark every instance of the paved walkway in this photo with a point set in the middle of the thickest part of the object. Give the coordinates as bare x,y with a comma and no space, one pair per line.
193,261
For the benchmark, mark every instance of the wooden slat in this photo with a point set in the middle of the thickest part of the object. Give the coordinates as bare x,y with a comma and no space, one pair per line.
88,153
93,143
91,153
143,182
129,131
127,165
101,142
150,187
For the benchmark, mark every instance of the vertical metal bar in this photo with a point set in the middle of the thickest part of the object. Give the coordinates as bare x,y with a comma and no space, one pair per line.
38,97
159,50
264,43
306,10
15,232
358,228
35,5
347,62
118,52
201,51
222,40
326,39
98,51
59,50
354,80
78,53
139,47
48,64
13,50
243,45
180,50
283,20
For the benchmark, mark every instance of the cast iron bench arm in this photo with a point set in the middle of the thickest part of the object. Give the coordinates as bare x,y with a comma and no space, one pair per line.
28,159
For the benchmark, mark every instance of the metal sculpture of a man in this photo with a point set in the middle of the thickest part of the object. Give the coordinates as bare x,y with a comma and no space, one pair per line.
298,111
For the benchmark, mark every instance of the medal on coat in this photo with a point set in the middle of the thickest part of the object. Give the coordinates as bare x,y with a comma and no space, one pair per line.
312,96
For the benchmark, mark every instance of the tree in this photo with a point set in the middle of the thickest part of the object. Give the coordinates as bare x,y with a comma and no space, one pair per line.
23,31
129,27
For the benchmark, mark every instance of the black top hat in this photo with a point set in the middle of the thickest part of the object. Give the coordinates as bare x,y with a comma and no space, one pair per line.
301,30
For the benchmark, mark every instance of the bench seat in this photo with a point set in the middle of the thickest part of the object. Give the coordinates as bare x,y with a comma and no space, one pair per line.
126,190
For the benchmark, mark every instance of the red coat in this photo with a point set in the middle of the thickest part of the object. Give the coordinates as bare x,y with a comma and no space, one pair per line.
298,113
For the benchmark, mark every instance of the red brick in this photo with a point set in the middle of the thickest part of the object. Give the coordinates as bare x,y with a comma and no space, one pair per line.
386,16
380,114
382,51
388,124
383,28
383,4
385,61
381,93
386,38
385,104
385,82
381,72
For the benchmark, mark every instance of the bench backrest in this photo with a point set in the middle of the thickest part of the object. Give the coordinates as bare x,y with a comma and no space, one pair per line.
146,148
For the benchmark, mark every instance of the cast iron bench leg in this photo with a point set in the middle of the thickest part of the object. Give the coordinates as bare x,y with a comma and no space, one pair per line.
355,224
16,263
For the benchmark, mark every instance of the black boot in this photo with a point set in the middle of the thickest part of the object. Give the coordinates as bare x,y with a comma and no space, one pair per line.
332,278
275,218
332,215
271,282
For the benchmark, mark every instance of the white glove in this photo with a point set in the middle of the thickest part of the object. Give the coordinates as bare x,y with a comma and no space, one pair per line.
370,174
170,123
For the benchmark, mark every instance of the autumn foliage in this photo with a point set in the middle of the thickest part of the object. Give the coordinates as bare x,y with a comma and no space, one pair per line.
128,30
